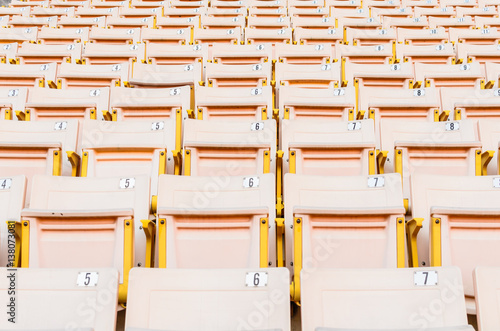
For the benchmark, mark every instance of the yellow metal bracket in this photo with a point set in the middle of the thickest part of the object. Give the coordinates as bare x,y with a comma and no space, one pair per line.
482,161
280,232
23,115
162,168
154,204
398,161
400,242
187,162
128,258
74,159
267,161
458,114
57,163
297,259
149,228
292,162
264,113
8,114
441,117
412,228
200,114
264,242
360,115
381,158
435,242
279,181
25,244
371,162
85,163
487,85
162,243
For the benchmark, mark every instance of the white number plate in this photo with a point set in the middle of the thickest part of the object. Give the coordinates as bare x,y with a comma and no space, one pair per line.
126,183
496,182
425,278
351,126
257,126
60,126
256,279
452,126
250,182
87,278
376,182
156,126
5,183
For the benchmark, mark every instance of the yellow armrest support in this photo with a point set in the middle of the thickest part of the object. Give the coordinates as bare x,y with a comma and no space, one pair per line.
149,228
74,159
381,158
482,161
412,228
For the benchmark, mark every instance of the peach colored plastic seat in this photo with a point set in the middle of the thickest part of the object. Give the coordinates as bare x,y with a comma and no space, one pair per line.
63,35
216,298
130,22
221,221
372,54
92,75
241,54
489,134
369,37
306,12
420,3
492,73
168,36
440,11
183,12
313,22
267,4
111,54
115,35
59,104
323,148
87,223
18,11
361,22
146,4
460,23
458,216
238,75
430,54
176,54
484,36
19,3
435,148
486,288
406,22
308,75
460,3
478,53
130,12
387,13
69,4
217,11
29,53
12,100
318,36
274,36
457,76
306,3
209,146
19,35
12,195
322,104
29,75
471,103
234,103
348,12
378,75
213,36
484,11
149,104
487,22
268,22
177,22
343,222
37,148
304,54
32,22
422,36
188,4
95,12
52,291
385,299
223,22
175,75
8,51
79,22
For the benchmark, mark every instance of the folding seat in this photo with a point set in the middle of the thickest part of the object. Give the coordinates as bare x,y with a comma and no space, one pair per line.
244,297
238,75
69,4
403,12
308,75
17,35
304,54
177,22
166,36
455,222
60,105
486,36
306,3
47,12
317,104
221,12
317,36
483,54
430,54
130,12
148,104
487,11
15,11
234,103
440,11
274,36
108,4
390,299
307,12
406,22
92,75
29,53
278,4
486,289
487,22
146,4
458,76
471,103
12,101
459,3
19,3
223,23
70,294
175,75
43,75
241,54
110,54
183,12
372,54
434,148
489,134
347,9
323,148
420,37
130,22
379,4
63,36
38,148
482,3
12,194
7,52
342,222
213,36
115,35
314,22
377,75
188,4
227,5
87,223
83,12
269,22
368,37
363,22
176,54
79,22
32,22
452,22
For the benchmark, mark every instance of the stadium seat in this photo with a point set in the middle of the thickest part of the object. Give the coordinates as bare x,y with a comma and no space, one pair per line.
130,22
63,36
492,74
429,54
238,75
100,217
230,10
168,36
313,22
317,36
85,299
457,76
484,11
38,148
12,101
130,12
79,22
420,37
455,221
85,12
273,36
17,35
177,22
369,37
372,54
111,54
487,22
213,36
308,75
18,11
209,146
377,75
183,12
322,104
386,299
489,134
12,196
216,222
92,75
343,222
246,299
223,22
478,53
175,54
406,22
269,12
8,51
268,22
234,103
460,23
304,12
440,11
57,105
29,53
241,54
486,289
32,22
149,75
485,36
304,54
389,12
471,103
28,75
115,35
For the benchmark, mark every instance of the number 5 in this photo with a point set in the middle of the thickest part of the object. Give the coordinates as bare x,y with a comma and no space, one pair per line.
87,279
